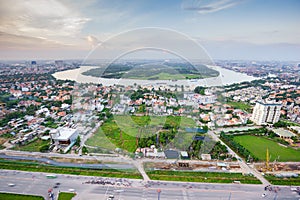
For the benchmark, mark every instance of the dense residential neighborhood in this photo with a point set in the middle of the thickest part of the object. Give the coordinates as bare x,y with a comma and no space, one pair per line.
35,105
149,100
206,128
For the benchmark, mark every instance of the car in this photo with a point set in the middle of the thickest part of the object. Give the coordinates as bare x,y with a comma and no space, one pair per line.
71,190
293,189
11,184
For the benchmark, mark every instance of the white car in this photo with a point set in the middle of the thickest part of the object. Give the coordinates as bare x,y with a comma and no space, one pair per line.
11,185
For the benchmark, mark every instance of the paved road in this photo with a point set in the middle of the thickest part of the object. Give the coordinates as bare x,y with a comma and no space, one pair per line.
37,183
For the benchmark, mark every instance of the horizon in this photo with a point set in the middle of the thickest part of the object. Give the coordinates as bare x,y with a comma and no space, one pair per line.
226,29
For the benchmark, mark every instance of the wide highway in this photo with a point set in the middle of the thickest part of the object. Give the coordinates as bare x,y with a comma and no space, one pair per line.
129,189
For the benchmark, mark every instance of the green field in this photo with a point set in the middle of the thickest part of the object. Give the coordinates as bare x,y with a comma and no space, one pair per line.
66,195
283,181
208,177
9,196
38,167
258,146
155,71
33,146
240,105
123,130
166,76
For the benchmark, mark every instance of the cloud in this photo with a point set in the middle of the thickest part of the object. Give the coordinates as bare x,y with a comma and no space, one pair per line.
93,41
18,42
204,7
40,18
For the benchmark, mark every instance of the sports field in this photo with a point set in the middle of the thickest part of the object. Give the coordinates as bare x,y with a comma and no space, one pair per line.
258,147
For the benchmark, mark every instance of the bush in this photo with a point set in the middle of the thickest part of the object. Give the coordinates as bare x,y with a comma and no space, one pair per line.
84,150
44,148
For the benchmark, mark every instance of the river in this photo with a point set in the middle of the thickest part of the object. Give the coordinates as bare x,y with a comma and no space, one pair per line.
226,77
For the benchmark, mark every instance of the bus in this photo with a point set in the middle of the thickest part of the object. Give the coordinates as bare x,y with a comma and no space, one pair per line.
50,176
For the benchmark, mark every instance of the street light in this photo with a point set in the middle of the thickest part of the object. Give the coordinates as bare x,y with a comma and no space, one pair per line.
158,194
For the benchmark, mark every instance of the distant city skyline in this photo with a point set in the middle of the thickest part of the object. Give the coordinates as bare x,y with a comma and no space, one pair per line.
227,29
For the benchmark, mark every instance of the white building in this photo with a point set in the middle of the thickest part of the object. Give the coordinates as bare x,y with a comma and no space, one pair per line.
265,112
284,134
200,99
64,135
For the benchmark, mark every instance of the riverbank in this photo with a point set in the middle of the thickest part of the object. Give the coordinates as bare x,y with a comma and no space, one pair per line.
226,77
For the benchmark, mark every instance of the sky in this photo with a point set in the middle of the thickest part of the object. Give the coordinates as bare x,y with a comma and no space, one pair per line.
225,29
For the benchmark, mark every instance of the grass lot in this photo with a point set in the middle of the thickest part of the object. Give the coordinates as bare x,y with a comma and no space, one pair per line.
283,181
166,76
258,145
123,130
32,146
37,167
66,195
9,196
240,105
208,177
99,139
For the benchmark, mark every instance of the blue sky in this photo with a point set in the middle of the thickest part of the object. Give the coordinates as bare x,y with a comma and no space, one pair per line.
227,29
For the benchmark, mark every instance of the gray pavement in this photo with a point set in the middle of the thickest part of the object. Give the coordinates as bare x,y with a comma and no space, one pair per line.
37,183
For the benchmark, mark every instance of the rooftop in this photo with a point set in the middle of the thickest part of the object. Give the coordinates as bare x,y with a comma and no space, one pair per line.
269,102
296,128
284,133
64,134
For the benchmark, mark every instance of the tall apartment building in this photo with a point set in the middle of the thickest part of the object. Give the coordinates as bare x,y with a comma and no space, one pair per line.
265,112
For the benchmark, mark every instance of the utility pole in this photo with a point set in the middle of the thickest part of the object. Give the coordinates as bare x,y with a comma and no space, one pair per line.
267,160
158,194
229,196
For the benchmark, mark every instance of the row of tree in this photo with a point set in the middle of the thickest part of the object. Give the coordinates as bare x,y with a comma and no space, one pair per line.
228,139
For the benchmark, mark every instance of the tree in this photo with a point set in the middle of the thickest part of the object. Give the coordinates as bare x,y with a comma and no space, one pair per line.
280,124
205,128
30,110
200,90
84,150
78,141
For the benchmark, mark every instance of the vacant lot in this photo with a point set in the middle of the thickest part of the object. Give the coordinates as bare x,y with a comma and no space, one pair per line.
123,130
9,196
240,105
33,146
258,147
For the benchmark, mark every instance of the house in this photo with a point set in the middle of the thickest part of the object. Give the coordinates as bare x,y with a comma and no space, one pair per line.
171,154
184,155
295,128
205,157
